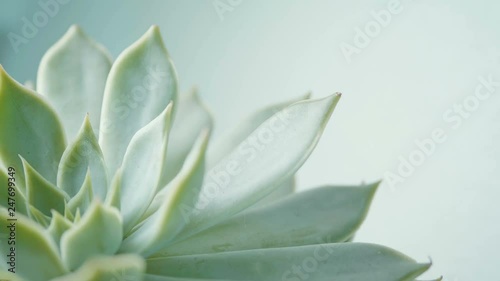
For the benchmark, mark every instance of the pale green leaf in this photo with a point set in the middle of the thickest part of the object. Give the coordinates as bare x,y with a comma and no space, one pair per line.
72,75
30,128
81,155
36,254
142,166
170,217
21,203
78,216
321,215
116,268
113,196
84,197
285,189
99,232
191,118
323,262
58,225
266,159
40,193
68,214
232,138
141,83
37,216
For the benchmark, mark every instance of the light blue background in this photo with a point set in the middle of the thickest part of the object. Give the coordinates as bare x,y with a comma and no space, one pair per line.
396,91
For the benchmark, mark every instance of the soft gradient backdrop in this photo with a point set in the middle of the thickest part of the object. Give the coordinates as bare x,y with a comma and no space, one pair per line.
422,64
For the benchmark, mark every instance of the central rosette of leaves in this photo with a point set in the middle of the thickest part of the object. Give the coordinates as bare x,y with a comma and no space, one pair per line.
137,193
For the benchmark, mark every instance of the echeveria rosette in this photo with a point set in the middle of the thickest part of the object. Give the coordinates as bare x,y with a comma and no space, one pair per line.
136,190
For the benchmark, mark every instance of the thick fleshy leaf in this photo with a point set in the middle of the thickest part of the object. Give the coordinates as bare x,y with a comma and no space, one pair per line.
285,189
231,139
72,75
40,193
68,214
142,166
82,155
266,159
322,215
58,225
193,168
191,118
39,217
113,196
36,253
82,200
78,216
169,219
99,232
323,262
141,83
116,268
30,128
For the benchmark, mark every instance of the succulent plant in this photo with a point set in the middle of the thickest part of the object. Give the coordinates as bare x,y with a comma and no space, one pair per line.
107,174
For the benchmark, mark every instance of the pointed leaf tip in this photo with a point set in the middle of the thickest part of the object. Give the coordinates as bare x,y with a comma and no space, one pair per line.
86,127
284,142
332,99
167,221
82,154
342,261
148,150
231,139
154,32
83,199
154,28
328,214
84,64
77,28
191,118
40,193
98,232
139,93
